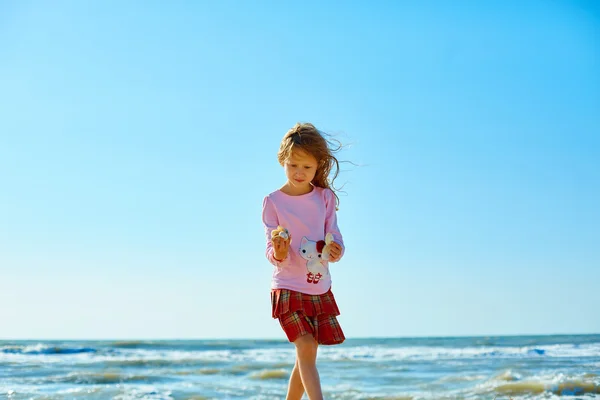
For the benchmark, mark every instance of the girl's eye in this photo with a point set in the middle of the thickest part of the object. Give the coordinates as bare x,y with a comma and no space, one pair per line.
307,167
293,165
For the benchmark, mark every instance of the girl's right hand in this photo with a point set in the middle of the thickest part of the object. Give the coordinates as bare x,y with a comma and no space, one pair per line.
281,247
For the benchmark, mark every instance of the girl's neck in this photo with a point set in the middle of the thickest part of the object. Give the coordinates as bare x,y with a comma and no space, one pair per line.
296,191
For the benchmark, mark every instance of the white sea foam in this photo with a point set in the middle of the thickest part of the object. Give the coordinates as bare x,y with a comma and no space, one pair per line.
43,354
427,353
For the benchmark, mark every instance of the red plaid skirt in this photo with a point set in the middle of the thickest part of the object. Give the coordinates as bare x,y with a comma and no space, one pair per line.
300,314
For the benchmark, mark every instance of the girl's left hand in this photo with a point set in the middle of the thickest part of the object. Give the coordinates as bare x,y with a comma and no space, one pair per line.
335,252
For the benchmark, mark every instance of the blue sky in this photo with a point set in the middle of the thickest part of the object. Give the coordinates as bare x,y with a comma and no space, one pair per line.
138,139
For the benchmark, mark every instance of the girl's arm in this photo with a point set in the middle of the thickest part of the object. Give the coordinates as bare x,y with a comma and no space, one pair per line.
331,225
270,222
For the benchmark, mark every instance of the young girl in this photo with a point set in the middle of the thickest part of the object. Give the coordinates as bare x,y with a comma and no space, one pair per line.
301,294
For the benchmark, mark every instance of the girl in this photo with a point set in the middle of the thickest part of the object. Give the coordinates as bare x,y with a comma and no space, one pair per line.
301,294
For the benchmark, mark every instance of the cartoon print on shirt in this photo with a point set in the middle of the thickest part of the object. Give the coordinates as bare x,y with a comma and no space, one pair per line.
311,251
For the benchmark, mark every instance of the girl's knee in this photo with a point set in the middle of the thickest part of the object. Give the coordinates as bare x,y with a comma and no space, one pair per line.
306,346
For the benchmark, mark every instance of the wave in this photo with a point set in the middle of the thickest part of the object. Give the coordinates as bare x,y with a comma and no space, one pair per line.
145,362
41,348
195,345
271,374
103,378
569,388
203,371
128,354
425,353
507,376
461,378
511,383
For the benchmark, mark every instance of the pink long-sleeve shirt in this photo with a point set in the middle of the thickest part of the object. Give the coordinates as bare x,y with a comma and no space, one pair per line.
308,218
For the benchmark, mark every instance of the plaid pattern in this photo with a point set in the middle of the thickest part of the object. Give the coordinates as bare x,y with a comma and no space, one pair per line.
300,314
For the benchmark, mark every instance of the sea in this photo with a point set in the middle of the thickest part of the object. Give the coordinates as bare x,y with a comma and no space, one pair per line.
494,367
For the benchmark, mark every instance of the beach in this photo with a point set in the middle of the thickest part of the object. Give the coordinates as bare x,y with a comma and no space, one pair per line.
519,367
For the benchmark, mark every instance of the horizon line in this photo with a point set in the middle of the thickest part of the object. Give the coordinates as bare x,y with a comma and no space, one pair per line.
285,340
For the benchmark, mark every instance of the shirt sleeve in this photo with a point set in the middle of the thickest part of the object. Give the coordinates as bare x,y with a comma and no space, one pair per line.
270,222
331,225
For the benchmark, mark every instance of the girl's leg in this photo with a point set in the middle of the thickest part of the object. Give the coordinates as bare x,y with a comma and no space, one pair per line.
306,354
295,388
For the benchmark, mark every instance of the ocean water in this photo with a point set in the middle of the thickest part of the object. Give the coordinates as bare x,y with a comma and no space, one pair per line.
517,367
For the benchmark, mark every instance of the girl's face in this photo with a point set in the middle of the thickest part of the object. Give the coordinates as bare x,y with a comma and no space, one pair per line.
300,169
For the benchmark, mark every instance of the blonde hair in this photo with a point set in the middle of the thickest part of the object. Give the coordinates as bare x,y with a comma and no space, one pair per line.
307,138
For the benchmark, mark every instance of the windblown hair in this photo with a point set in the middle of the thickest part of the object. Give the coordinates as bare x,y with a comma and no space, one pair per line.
307,138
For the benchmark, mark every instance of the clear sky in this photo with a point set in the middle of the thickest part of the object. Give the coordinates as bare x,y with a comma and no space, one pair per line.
138,139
